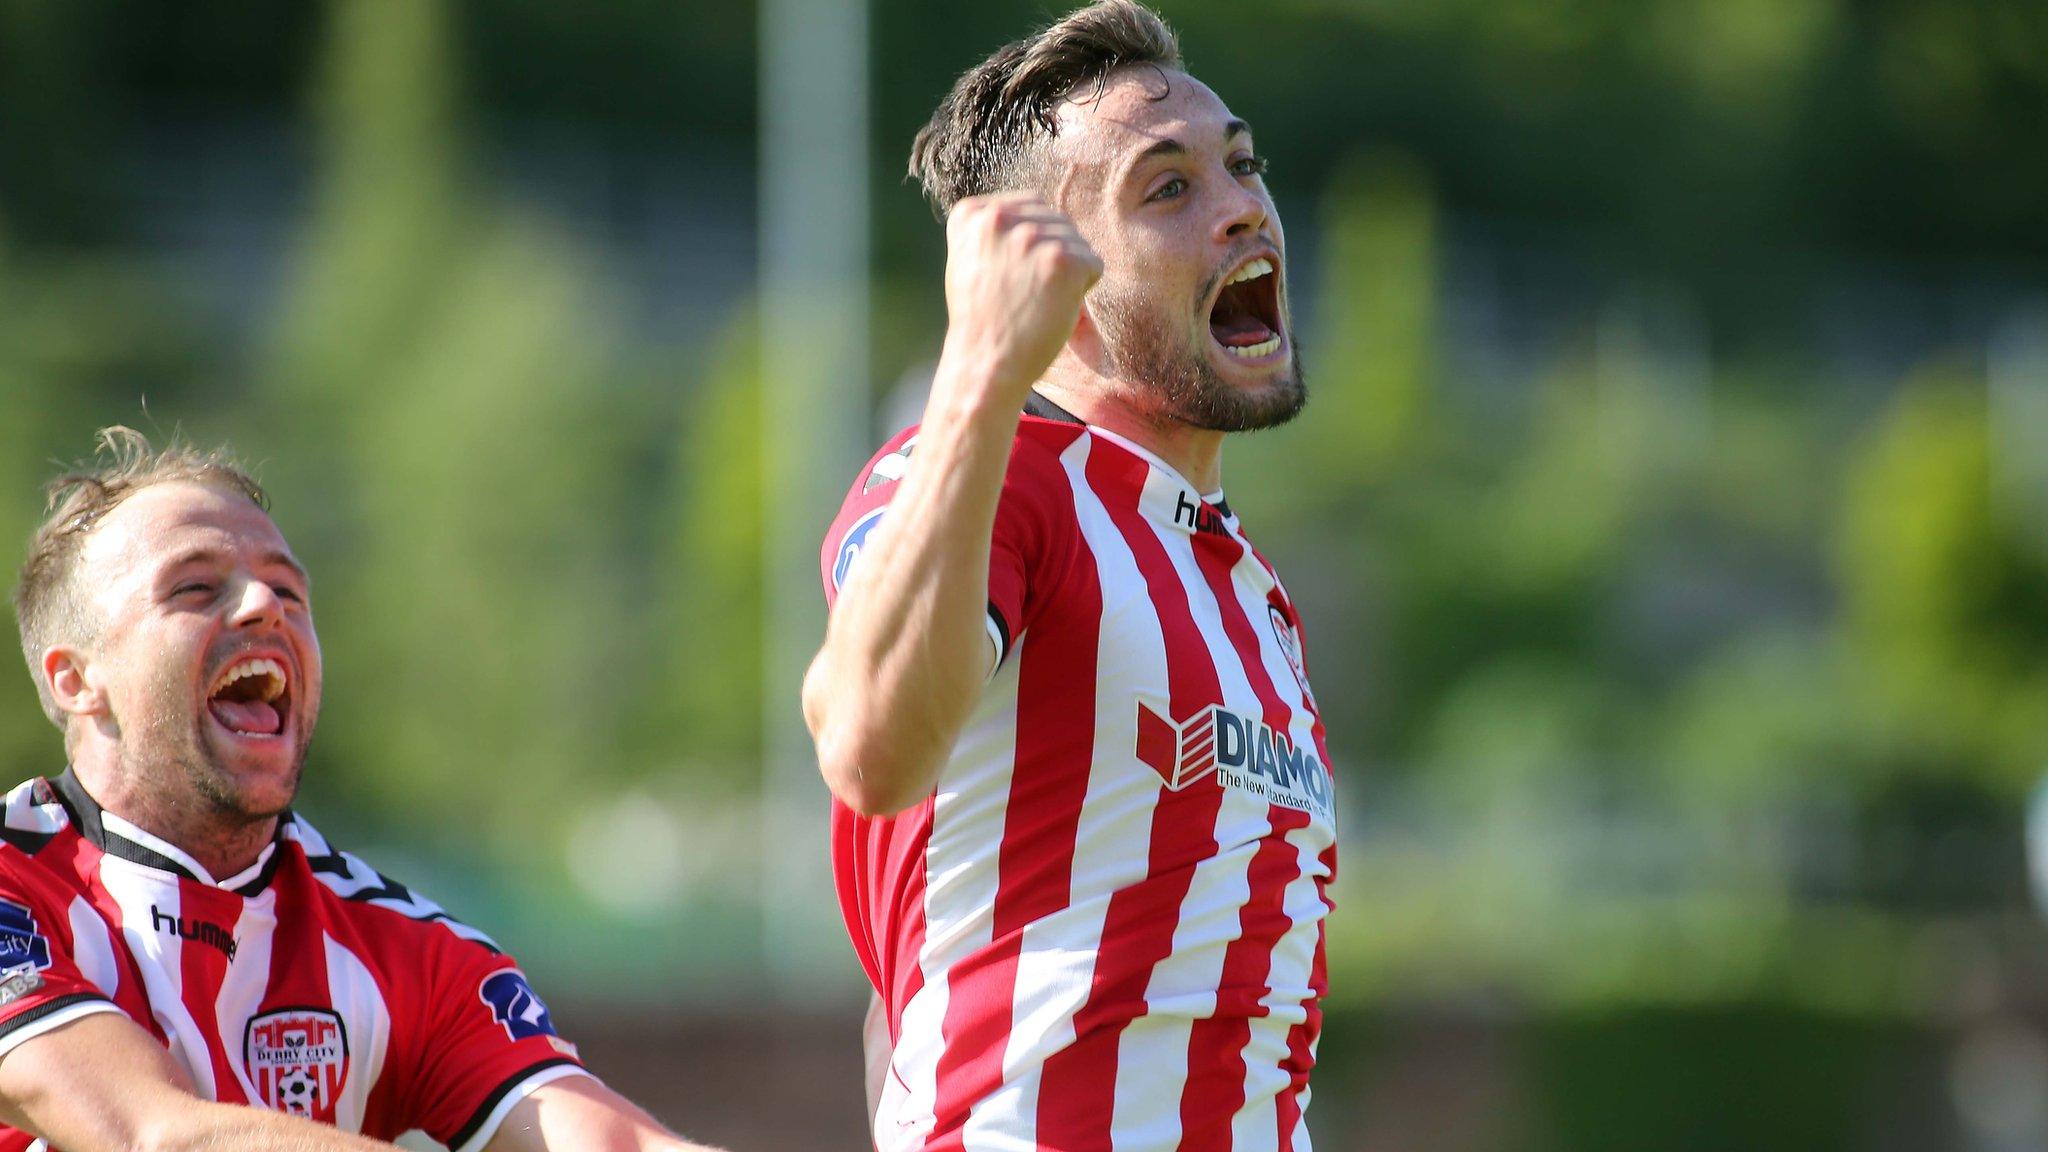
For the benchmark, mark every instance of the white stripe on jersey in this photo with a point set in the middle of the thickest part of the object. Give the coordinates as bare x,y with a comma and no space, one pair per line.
141,891
961,876
1265,1052
92,949
1293,958
1152,1057
352,991
1115,827
247,979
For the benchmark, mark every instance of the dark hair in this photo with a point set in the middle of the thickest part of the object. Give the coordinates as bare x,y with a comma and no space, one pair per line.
982,133
46,605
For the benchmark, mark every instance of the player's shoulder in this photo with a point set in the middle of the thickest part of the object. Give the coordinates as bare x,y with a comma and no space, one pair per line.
888,464
33,816
358,890
1039,456
1035,452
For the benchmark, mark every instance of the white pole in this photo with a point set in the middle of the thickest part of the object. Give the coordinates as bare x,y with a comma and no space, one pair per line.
814,350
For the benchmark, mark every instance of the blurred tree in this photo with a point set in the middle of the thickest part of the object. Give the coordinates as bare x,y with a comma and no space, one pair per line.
441,389
1942,603
704,713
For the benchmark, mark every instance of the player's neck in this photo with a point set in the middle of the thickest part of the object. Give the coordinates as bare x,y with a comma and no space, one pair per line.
223,844
1195,453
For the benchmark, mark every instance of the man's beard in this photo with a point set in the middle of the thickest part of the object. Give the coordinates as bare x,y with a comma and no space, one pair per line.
170,760
1174,377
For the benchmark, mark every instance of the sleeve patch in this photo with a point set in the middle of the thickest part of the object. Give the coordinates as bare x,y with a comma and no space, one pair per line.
23,947
516,1005
850,546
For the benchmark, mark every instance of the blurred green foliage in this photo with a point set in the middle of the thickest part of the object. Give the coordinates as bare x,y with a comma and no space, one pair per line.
1652,664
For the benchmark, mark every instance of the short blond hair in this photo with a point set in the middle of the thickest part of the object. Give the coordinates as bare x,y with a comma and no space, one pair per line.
47,605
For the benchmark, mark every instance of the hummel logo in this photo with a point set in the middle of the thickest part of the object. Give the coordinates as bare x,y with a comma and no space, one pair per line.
1198,516
193,929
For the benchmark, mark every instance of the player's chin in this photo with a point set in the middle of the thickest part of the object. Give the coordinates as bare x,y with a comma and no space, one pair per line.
1248,397
265,796
258,778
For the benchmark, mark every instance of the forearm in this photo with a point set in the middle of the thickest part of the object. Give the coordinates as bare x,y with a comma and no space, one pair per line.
582,1115
204,1126
162,1119
101,1084
907,648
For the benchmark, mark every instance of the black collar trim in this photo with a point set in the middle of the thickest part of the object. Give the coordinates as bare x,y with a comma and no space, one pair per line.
86,814
1037,405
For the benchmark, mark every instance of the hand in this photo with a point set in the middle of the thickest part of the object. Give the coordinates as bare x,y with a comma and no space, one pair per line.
1016,271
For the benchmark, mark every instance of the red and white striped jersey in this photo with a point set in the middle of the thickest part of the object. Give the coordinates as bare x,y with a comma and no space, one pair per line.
1104,928
308,984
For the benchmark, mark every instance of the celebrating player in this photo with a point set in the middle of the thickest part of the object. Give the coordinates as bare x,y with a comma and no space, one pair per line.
1083,820
174,941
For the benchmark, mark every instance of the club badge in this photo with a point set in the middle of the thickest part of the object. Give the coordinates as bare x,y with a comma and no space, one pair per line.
1289,640
298,1059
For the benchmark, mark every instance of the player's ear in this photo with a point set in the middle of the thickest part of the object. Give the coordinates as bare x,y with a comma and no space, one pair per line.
74,685
1086,340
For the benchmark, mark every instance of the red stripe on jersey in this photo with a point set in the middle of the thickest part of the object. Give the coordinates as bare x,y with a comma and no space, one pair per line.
881,883
900,878
130,996
205,913
1216,556
1077,1097
298,966
1035,861
908,979
1302,1037
1215,1087
862,842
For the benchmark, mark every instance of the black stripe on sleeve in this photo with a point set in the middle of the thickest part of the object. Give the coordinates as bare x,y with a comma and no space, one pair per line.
995,617
41,1011
497,1096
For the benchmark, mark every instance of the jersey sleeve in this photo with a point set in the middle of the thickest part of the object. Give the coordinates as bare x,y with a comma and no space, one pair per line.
42,987
488,1042
1022,551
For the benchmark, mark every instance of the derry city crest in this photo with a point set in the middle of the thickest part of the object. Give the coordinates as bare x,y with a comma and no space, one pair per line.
298,1060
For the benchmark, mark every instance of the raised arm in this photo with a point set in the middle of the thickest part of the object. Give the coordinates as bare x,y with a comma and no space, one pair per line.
906,651
102,1084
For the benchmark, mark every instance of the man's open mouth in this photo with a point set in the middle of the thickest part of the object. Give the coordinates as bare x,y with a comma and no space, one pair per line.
1245,319
248,697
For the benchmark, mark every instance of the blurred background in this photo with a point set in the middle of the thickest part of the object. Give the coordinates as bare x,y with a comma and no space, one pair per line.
1670,518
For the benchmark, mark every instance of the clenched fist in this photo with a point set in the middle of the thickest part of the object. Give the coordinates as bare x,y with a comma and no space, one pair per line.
1016,270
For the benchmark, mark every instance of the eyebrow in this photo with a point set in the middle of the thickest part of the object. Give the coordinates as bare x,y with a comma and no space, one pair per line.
1170,146
213,555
